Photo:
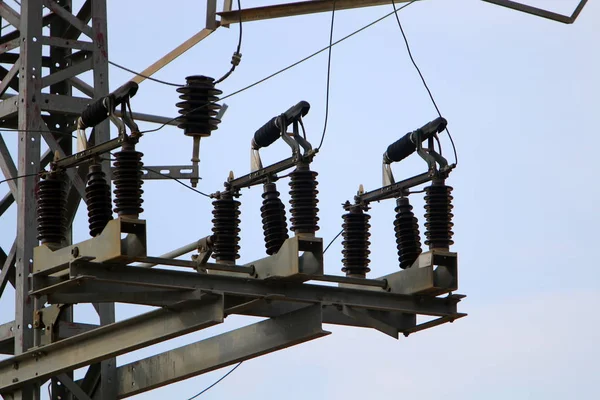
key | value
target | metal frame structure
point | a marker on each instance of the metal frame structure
(49, 45)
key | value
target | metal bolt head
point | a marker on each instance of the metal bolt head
(75, 251)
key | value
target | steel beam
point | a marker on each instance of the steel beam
(66, 73)
(7, 166)
(256, 288)
(8, 78)
(108, 341)
(220, 351)
(28, 166)
(293, 9)
(70, 18)
(7, 13)
(75, 389)
(8, 268)
(538, 12)
(172, 55)
(84, 15)
(6, 202)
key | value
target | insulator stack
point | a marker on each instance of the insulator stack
(303, 198)
(408, 239)
(127, 177)
(198, 108)
(97, 194)
(438, 213)
(356, 242)
(226, 229)
(52, 209)
(273, 219)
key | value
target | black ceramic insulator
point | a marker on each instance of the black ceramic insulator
(273, 219)
(97, 194)
(127, 177)
(405, 146)
(438, 215)
(408, 239)
(356, 242)
(266, 134)
(303, 198)
(52, 209)
(226, 229)
(270, 132)
(94, 114)
(198, 108)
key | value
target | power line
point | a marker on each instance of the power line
(237, 56)
(214, 384)
(333, 240)
(421, 75)
(144, 76)
(19, 177)
(234, 61)
(328, 77)
(288, 67)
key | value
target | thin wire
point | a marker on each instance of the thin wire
(144, 76)
(19, 177)
(328, 77)
(214, 384)
(333, 240)
(237, 55)
(177, 180)
(421, 75)
(286, 68)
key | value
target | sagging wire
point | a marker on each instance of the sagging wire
(286, 68)
(240, 363)
(328, 77)
(237, 55)
(219, 380)
(144, 76)
(19, 177)
(422, 77)
(333, 240)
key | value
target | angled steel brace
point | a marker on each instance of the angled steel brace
(70, 18)
(172, 55)
(7, 13)
(84, 15)
(10, 45)
(107, 341)
(75, 389)
(91, 380)
(293, 9)
(6, 202)
(7, 80)
(7, 166)
(66, 73)
(538, 12)
(8, 268)
(368, 320)
(220, 351)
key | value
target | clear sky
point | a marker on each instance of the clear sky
(520, 94)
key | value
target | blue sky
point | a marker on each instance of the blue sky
(520, 95)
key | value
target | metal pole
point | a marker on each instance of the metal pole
(177, 252)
